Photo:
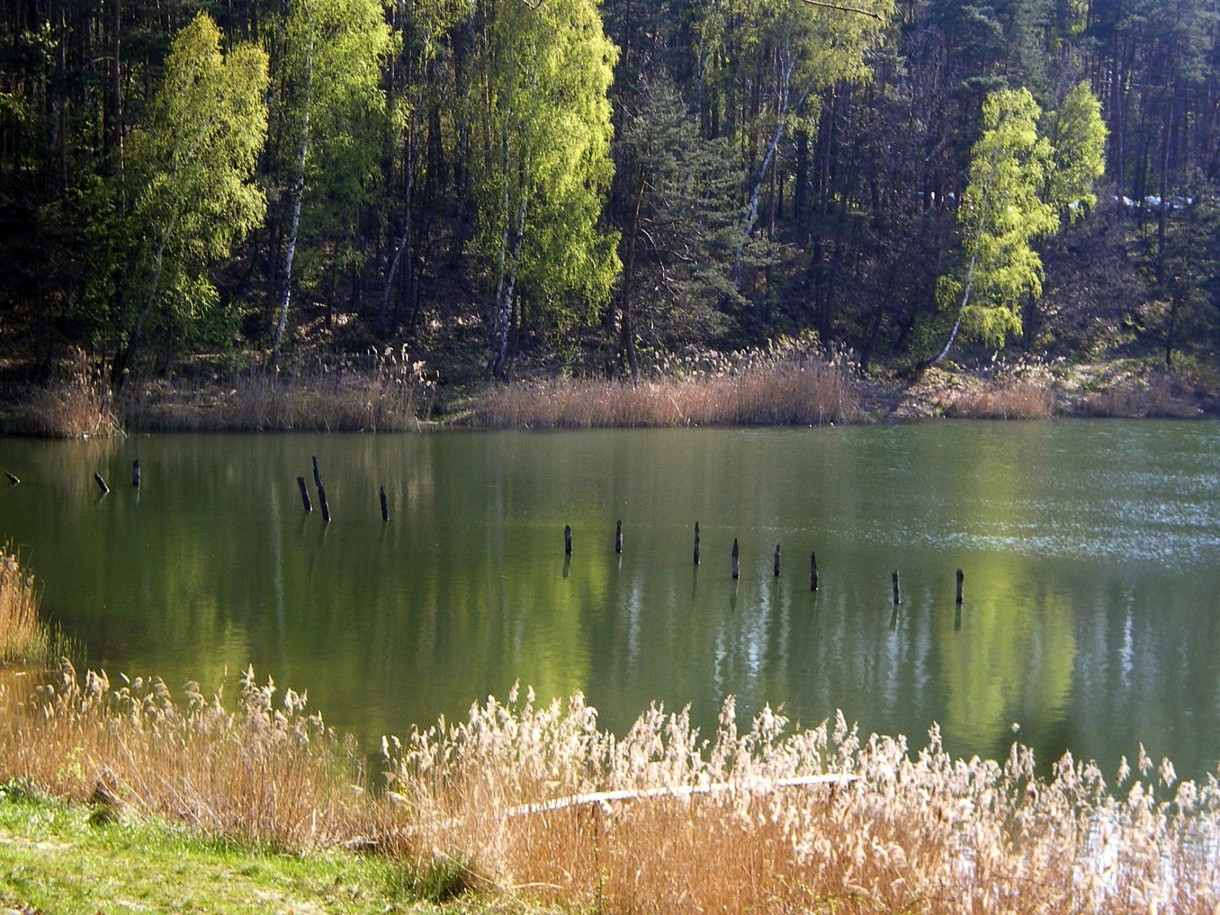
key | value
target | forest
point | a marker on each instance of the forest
(560, 186)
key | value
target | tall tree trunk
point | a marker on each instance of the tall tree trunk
(760, 178)
(294, 221)
(405, 242)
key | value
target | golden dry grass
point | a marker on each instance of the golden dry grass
(899, 830)
(1159, 394)
(1013, 399)
(912, 832)
(81, 405)
(390, 398)
(785, 385)
(21, 634)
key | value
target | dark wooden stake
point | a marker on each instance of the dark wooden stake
(777, 560)
(317, 477)
(696, 543)
(385, 506)
(736, 560)
(101, 484)
(135, 474)
(13, 481)
(322, 502)
(304, 494)
(897, 593)
(813, 571)
(567, 540)
(960, 576)
(618, 537)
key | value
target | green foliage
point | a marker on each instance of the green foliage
(1077, 137)
(1000, 215)
(1019, 182)
(543, 128)
(190, 180)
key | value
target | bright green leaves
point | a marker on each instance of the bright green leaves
(190, 171)
(331, 101)
(1077, 137)
(1019, 181)
(541, 121)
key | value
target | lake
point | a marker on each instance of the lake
(1090, 552)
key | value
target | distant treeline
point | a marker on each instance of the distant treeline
(596, 186)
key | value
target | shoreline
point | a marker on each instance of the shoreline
(801, 391)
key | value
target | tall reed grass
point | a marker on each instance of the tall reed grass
(79, 405)
(910, 831)
(732, 822)
(385, 392)
(1159, 394)
(22, 636)
(787, 384)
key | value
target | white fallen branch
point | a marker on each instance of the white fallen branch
(605, 798)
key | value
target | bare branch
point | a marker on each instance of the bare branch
(838, 7)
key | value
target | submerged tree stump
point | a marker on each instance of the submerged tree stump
(385, 505)
(135, 474)
(813, 571)
(736, 560)
(567, 540)
(618, 537)
(960, 577)
(777, 560)
(101, 483)
(696, 543)
(897, 593)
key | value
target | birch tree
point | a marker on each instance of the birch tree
(191, 170)
(329, 84)
(542, 116)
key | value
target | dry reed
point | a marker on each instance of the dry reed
(897, 830)
(388, 396)
(1019, 399)
(22, 637)
(786, 384)
(82, 405)
(912, 832)
(264, 774)
(1160, 394)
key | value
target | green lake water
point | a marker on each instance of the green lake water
(1091, 554)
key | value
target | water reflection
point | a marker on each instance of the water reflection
(1089, 551)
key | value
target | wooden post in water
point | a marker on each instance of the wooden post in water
(960, 576)
(135, 474)
(101, 484)
(618, 537)
(813, 571)
(304, 494)
(777, 560)
(317, 479)
(567, 540)
(696, 543)
(12, 480)
(736, 560)
(385, 505)
(897, 593)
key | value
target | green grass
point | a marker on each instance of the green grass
(56, 857)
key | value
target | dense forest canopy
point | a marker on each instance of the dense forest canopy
(592, 186)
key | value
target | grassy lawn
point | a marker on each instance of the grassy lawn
(53, 859)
